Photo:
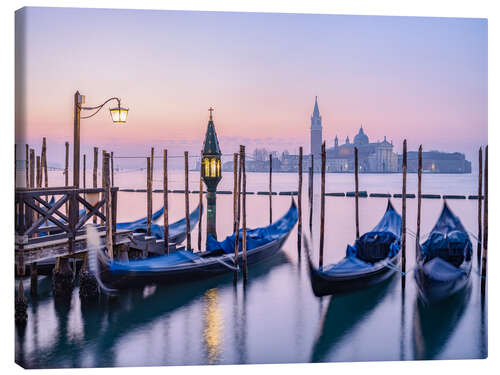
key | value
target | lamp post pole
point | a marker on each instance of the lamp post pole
(118, 115)
(211, 211)
(76, 141)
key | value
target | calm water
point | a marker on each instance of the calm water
(276, 318)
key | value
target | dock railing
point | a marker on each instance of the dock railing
(45, 229)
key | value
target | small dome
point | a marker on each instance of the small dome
(361, 138)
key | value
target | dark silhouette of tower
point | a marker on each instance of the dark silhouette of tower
(316, 130)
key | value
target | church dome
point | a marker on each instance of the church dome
(361, 138)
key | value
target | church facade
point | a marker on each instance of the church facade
(377, 157)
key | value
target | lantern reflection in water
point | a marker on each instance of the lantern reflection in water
(212, 331)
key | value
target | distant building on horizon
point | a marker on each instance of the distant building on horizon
(374, 157)
(316, 131)
(377, 157)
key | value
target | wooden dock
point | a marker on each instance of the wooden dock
(45, 230)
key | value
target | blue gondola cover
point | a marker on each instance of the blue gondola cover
(256, 237)
(448, 240)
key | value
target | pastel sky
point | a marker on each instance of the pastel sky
(420, 78)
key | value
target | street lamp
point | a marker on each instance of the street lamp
(118, 116)
(211, 172)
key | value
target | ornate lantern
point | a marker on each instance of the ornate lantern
(211, 172)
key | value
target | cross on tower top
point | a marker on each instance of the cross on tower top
(210, 110)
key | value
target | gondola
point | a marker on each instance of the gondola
(444, 260)
(374, 257)
(177, 234)
(183, 265)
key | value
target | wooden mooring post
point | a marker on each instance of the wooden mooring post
(237, 202)
(322, 213)
(152, 162)
(235, 190)
(27, 156)
(103, 209)
(479, 206)
(165, 201)
(186, 199)
(84, 171)
(44, 162)
(299, 203)
(112, 170)
(107, 192)
(66, 171)
(201, 207)
(32, 169)
(38, 172)
(270, 188)
(33, 265)
(403, 218)
(149, 197)
(356, 190)
(66, 163)
(244, 215)
(419, 203)
(311, 193)
(94, 176)
(484, 262)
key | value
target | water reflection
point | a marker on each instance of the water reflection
(276, 318)
(344, 313)
(213, 326)
(88, 335)
(433, 324)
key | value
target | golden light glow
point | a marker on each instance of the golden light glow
(119, 115)
(211, 167)
(212, 332)
(206, 163)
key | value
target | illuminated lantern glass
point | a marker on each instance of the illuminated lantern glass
(119, 115)
(207, 167)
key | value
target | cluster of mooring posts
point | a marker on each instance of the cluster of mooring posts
(45, 231)
(482, 236)
(50, 227)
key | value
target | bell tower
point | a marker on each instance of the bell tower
(316, 130)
